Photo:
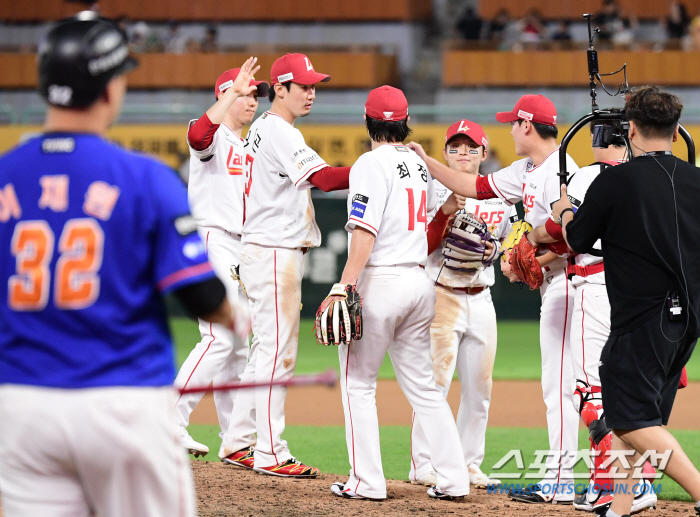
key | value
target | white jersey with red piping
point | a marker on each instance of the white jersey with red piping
(215, 186)
(277, 166)
(392, 196)
(536, 185)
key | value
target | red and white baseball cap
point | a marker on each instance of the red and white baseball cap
(386, 103)
(535, 108)
(296, 68)
(469, 128)
(225, 81)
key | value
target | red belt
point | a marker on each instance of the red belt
(468, 290)
(584, 271)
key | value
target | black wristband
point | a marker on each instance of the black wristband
(202, 298)
(561, 215)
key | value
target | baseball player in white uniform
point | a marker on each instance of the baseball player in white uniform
(215, 192)
(279, 227)
(463, 334)
(534, 181)
(590, 328)
(391, 199)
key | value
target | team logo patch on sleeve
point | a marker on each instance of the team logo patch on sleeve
(574, 201)
(193, 248)
(514, 218)
(306, 158)
(359, 206)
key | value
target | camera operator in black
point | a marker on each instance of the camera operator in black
(646, 214)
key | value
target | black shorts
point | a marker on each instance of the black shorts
(640, 371)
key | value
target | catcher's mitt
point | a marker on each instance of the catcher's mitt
(524, 264)
(516, 232)
(341, 321)
(464, 249)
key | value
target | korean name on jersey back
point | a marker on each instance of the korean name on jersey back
(94, 238)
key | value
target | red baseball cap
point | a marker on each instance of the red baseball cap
(469, 128)
(386, 103)
(296, 68)
(535, 108)
(225, 81)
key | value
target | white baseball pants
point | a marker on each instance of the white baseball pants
(463, 335)
(101, 451)
(221, 356)
(558, 380)
(398, 307)
(272, 278)
(590, 328)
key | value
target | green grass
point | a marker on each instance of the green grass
(518, 356)
(324, 447)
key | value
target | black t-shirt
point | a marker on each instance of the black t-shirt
(630, 207)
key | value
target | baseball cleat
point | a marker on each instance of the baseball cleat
(602, 501)
(242, 458)
(434, 493)
(479, 479)
(533, 494)
(642, 501)
(647, 499)
(340, 490)
(427, 479)
(292, 468)
(195, 448)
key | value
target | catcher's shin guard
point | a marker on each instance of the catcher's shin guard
(588, 402)
(601, 484)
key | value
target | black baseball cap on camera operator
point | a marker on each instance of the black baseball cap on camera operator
(78, 57)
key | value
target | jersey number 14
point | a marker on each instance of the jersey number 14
(422, 215)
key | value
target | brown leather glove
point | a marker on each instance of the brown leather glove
(524, 264)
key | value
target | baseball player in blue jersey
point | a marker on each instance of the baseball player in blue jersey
(93, 236)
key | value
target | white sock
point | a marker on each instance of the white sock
(612, 514)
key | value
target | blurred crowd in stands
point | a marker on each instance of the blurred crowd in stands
(143, 38)
(618, 29)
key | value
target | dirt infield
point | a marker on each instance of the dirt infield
(228, 491)
(513, 404)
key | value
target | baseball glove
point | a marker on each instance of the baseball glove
(464, 248)
(524, 264)
(516, 232)
(341, 321)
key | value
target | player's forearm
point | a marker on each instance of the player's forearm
(565, 220)
(218, 110)
(360, 250)
(540, 235)
(331, 178)
(462, 184)
(436, 230)
(547, 258)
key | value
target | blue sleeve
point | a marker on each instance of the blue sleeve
(180, 255)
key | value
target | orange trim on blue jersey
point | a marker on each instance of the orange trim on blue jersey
(184, 274)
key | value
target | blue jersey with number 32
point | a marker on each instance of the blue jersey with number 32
(92, 237)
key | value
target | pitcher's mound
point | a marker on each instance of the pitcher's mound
(224, 490)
